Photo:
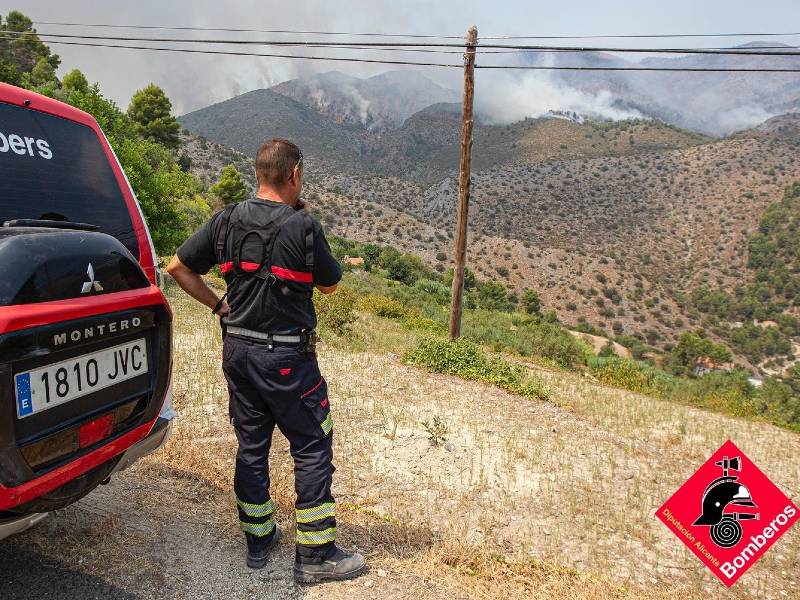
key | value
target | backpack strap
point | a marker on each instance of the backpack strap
(268, 235)
(221, 244)
(309, 231)
(222, 241)
(284, 288)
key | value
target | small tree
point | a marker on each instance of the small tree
(692, 346)
(75, 81)
(151, 110)
(469, 278)
(230, 188)
(531, 302)
(42, 73)
(20, 54)
(492, 295)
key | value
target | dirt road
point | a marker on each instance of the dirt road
(151, 534)
(137, 538)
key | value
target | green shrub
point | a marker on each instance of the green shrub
(728, 393)
(336, 311)
(692, 346)
(439, 291)
(465, 359)
(525, 335)
(389, 308)
(383, 306)
(631, 375)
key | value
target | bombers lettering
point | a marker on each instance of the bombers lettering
(25, 145)
(757, 542)
(76, 335)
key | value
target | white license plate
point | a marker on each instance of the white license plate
(55, 384)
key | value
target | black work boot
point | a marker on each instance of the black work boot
(340, 565)
(256, 559)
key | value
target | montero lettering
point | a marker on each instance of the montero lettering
(76, 335)
(757, 542)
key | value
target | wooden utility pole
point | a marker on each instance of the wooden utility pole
(463, 184)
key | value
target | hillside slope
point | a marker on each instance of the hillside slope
(615, 224)
(380, 102)
(613, 241)
(245, 121)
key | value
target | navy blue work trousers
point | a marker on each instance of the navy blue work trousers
(281, 386)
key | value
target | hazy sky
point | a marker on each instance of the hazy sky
(194, 80)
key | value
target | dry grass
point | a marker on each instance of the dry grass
(519, 489)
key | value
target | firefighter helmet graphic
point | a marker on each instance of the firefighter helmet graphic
(721, 493)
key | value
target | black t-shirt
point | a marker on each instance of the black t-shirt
(252, 307)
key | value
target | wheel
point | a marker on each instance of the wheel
(726, 533)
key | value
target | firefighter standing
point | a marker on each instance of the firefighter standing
(272, 253)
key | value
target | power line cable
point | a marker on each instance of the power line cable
(244, 42)
(424, 64)
(244, 30)
(368, 45)
(667, 69)
(635, 36)
(355, 45)
(715, 51)
(422, 36)
(257, 54)
(55, 39)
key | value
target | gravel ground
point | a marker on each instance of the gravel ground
(119, 543)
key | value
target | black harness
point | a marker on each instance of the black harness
(241, 242)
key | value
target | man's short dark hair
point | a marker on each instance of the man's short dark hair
(275, 161)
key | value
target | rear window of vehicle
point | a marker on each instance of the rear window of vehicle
(53, 168)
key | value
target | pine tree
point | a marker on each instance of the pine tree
(75, 81)
(230, 188)
(531, 302)
(151, 110)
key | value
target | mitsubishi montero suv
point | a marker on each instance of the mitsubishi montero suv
(85, 332)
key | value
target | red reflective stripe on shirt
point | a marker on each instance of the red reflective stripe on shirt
(301, 276)
(246, 266)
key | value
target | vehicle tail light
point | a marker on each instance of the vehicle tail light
(92, 432)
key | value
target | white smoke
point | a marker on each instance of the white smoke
(742, 117)
(502, 98)
(319, 97)
(361, 103)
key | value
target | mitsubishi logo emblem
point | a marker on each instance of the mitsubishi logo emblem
(92, 284)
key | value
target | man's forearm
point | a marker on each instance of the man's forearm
(326, 289)
(192, 283)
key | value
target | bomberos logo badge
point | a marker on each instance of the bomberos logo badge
(729, 513)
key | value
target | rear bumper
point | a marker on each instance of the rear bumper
(153, 442)
(136, 443)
